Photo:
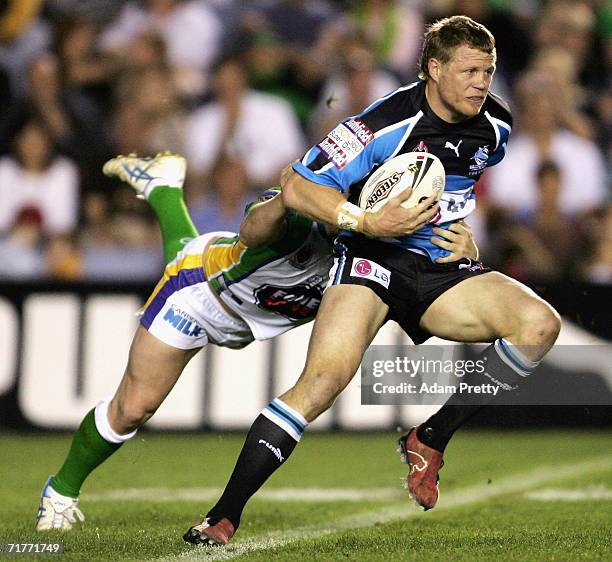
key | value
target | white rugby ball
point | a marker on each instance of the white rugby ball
(421, 171)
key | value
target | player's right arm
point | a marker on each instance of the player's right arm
(325, 204)
(318, 184)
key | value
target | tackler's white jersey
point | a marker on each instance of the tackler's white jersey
(276, 287)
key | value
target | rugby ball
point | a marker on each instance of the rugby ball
(421, 171)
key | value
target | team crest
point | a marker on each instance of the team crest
(480, 159)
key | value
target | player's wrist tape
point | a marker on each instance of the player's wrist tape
(349, 216)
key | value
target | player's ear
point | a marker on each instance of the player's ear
(433, 67)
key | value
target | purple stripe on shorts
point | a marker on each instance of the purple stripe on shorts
(185, 278)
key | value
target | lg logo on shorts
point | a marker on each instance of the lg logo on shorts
(369, 269)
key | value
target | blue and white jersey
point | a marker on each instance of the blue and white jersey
(403, 122)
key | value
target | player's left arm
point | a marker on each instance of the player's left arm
(458, 240)
(265, 220)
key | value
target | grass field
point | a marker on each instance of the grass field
(541, 495)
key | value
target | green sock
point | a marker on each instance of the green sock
(88, 450)
(174, 221)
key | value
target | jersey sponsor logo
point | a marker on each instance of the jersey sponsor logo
(276, 450)
(299, 302)
(345, 142)
(480, 158)
(333, 152)
(453, 147)
(382, 189)
(183, 322)
(361, 130)
(421, 147)
(369, 269)
(363, 267)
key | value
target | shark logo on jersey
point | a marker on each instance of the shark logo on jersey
(480, 159)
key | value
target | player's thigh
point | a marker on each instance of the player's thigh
(480, 309)
(152, 371)
(348, 319)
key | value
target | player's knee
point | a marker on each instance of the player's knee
(540, 324)
(130, 415)
(316, 391)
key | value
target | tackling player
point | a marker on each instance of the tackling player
(219, 288)
(450, 113)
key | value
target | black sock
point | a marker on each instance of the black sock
(505, 368)
(270, 441)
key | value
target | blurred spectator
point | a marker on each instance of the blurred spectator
(96, 228)
(540, 137)
(189, 28)
(570, 25)
(24, 36)
(393, 29)
(546, 240)
(150, 93)
(257, 128)
(36, 177)
(349, 92)
(130, 130)
(118, 230)
(286, 41)
(20, 248)
(599, 265)
(560, 67)
(272, 68)
(148, 49)
(223, 208)
(73, 121)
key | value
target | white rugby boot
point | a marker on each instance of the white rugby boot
(56, 511)
(145, 174)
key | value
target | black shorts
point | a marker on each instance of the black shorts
(407, 282)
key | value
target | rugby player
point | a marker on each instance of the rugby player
(219, 288)
(450, 113)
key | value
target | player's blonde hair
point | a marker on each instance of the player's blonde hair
(444, 36)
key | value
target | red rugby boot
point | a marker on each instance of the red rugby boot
(424, 463)
(204, 533)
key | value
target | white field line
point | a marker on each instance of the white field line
(601, 493)
(509, 485)
(274, 494)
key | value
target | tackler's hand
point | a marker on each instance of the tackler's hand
(458, 240)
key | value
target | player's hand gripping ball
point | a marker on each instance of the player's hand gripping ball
(421, 171)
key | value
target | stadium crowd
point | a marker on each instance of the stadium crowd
(242, 89)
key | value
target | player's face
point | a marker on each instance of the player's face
(462, 83)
